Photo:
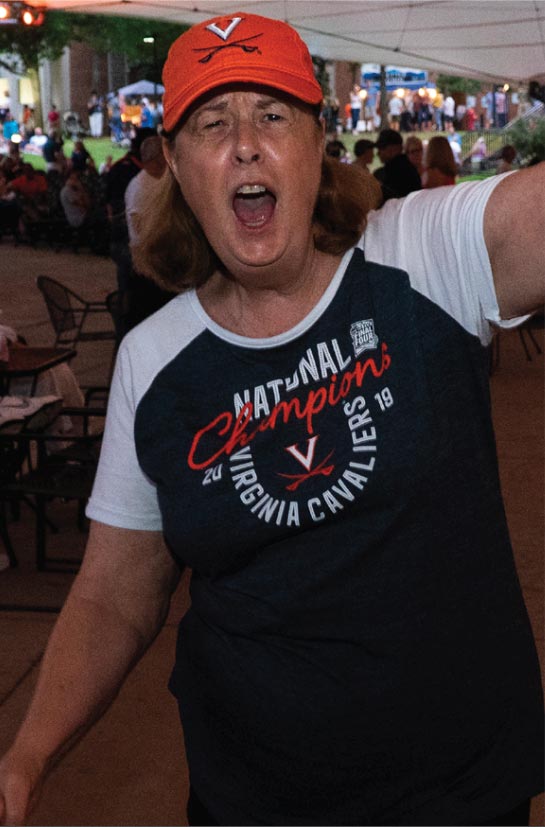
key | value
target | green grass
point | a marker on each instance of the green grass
(98, 148)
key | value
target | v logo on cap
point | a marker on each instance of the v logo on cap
(224, 33)
(236, 44)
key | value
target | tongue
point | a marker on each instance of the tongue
(254, 211)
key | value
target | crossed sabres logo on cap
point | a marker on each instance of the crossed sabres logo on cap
(224, 34)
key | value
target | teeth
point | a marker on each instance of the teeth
(251, 189)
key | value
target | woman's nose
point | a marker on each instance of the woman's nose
(247, 144)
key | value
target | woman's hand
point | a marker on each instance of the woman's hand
(115, 608)
(20, 783)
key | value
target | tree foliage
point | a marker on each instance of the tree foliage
(322, 76)
(451, 83)
(23, 48)
(528, 137)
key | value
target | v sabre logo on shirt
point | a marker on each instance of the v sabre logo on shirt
(307, 461)
(318, 428)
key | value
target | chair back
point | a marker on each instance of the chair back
(116, 302)
(59, 306)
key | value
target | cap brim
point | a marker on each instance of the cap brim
(298, 87)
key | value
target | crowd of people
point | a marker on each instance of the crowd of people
(412, 163)
(422, 110)
(67, 200)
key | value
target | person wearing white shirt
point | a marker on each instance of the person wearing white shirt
(143, 295)
(449, 108)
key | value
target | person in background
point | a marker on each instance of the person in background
(12, 163)
(440, 167)
(470, 119)
(355, 108)
(114, 116)
(395, 108)
(53, 153)
(81, 158)
(406, 121)
(10, 127)
(28, 123)
(437, 104)
(95, 114)
(449, 110)
(370, 108)
(414, 150)
(5, 105)
(84, 213)
(331, 115)
(455, 143)
(144, 296)
(425, 114)
(75, 200)
(397, 176)
(501, 108)
(38, 140)
(9, 208)
(106, 165)
(53, 119)
(364, 153)
(508, 155)
(307, 427)
(147, 120)
(336, 149)
(478, 153)
(117, 181)
(31, 190)
(487, 104)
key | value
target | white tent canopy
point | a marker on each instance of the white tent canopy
(494, 40)
(142, 87)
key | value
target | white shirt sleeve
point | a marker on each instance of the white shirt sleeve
(437, 237)
(131, 207)
(122, 495)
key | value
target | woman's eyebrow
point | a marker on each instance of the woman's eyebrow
(213, 106)
(262, 103)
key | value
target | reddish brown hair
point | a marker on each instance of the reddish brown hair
(176, 254)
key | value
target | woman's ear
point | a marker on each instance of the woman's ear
(170, 157)
(323, 130)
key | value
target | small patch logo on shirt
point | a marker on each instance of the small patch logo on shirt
(363, 336)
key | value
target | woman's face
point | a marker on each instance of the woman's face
(415, 154)
(248, 164)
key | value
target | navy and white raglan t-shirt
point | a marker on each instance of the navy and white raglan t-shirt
(357, 650)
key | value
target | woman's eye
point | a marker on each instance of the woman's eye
(273, 116)
(213, 124)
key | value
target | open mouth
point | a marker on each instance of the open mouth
(254, 205)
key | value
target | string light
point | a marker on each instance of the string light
(18, 12)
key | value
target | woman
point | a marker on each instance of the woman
(440, 168)
(414, 150)
(309, 432)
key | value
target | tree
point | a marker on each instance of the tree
(322, 76)
(23, 48)
(465, 86)
(528, 137)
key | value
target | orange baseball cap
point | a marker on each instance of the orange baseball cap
(242, 48)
